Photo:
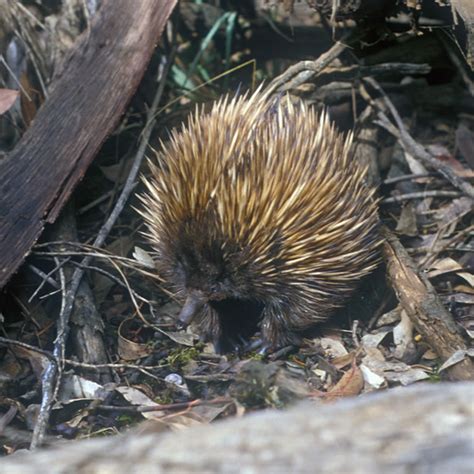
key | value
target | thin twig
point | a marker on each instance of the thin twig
(84, 365)
(5, 341)
(125, 261)
(407, 177)
(305, 70)
(420, 195)
(52, 374)
(46, 278)
(73, 363)
(355, 339)
(112, 277)
(7, 418)
(430, 258)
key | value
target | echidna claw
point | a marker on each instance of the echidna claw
(264, 351)
(253, 345)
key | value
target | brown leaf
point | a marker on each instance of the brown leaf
(128, 349)
(407, 222)
(351, 384)
(442, 154)
(343, 361)
(7, 99)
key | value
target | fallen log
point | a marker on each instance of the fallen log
(85, 104)
(421, 429)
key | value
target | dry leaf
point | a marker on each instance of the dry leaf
(351, 384)
(371, 378)
(343, 360)
(448, 265)
(407, 222)
(74, 387)
(143, 257)
(455, 358)
(444, 265)
(392, 371)
(415, 166)
(441, 153)
(130, 350)
(7, 99)
(333, 347)
(373, 340)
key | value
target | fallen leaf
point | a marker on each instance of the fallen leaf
(343, 360)
(444, 265)
(415, 166)
(127, 349)
(448, 265)
(7, 99)
(455, 358)
(333, 347)
(442, 154)
(143, 257)
(392, 371)
(192, 415)
(373, 340)
(371, 378)
(407, 222)
(455, 209)
(74, 387)
(351, 384)
(137, 398)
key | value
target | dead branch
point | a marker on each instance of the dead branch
(420, 301)
(305, 70)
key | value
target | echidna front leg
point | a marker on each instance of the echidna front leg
(275, 330)
(209, 325)
(211, 330)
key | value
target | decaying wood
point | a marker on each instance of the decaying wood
(84, 105)
(419, 299)
(87, 326)
(427, 428)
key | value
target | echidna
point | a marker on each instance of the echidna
(259, 219)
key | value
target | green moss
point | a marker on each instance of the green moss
(181, 356)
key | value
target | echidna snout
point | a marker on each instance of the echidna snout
(192, 305)
(260, 219)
